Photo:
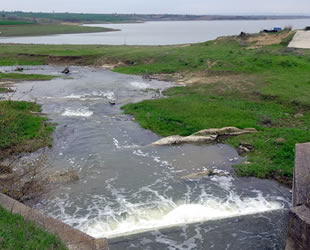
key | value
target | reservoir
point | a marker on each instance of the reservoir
(161, 33)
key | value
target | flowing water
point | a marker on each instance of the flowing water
(128, 186)
(162, 33)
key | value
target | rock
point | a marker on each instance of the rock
(176, 139)
(244, 148)
(298, 115)
(66, 70)
(64, 177)
(226, 131)
(5, 169)
(267, 122)
(19, 69)
(205, 173)
(279, 140)
(112, 102)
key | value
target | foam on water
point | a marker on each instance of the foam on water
(83, 112)
(168, 215)
(140, 85)
(73, 96)
(94, 95)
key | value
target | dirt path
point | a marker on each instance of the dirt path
(301, 40)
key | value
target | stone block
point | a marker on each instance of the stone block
(301, 174)
(6, 202)
(299, 229)
(21, 209)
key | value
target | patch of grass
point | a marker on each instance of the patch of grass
(21, 130)
(5, 90)
(193, 108)
(9, 22)
(16, 233)
(26, 77)
(45, 29)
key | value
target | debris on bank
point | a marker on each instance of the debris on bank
(204, 136)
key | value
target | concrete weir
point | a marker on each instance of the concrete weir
(298, 237)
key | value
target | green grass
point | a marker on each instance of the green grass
(5, 90)
(8, 22)
(45, 29)
(21, 130)
(26, 77)
(16, 233)
(193, 108)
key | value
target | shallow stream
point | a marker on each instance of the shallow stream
(127, 186)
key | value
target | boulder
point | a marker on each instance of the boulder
(206, 173)
(112, 102)
(66, 70)
(19, 69)
(63, 177)
(244, 148)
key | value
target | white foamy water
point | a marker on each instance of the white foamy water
(72, 96)
(140, 85)
(83, 112)
(168, 215)
(92, 96)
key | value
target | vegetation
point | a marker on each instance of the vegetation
(16, 233)
(8, 22)
(21, 129)
(252, 81)
(29, 77)
(5, 90)
(45, 29)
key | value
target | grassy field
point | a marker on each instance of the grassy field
(23, 29)
(250, 81)
(21, 130)
(16, 233)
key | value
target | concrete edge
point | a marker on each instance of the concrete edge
(71, 237)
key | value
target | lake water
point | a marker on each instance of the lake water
(128, 186)
(161, 33)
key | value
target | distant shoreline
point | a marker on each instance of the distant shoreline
(44, 17)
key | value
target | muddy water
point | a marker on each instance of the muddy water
(128, 186)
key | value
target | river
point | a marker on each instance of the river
(161, 33)
(128, 186)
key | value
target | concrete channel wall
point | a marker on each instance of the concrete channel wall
(298, 237)
(74, 239)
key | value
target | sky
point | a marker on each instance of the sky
(161, 6)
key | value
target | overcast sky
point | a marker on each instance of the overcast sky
(161, 6)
